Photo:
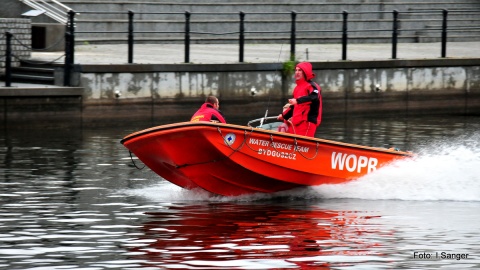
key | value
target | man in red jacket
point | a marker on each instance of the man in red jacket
(209, 111)
(305, 112)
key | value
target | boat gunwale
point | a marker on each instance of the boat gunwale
(281, 134)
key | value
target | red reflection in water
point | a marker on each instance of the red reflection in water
(205, 236)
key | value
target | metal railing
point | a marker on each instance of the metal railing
(8, 59)
(52, 8)
(12, 41)
(344, 33)
(291, 34)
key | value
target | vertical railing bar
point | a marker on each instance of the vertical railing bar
(241, 37)
(69, 48)
(444, 33)
(71, 26)
(395, 34)
(187, 37)
(293, 35)
(8, 60)
(130, 36)
(344, 35)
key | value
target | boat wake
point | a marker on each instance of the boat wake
(439, 172)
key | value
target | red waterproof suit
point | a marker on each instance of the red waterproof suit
(307, 114)
(208, 113)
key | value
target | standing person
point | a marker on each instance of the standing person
(209, 111)
(305, 111)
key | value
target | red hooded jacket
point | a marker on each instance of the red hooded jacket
(309, 99)
(208, 113)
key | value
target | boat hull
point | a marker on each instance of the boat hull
(232, 160)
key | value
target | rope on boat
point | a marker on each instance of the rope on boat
(258, 151)
(312, 158)
(198, 163)
(295, 147)
(215, 160)
(245, 142)
(241, 145)
(273, 144)
(293, 127)
(133, 162)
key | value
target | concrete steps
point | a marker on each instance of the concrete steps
(33, 73)
(263, 18)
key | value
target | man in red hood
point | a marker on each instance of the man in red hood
(305, 112)
(209, 111)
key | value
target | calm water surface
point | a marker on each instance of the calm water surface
(71, 199)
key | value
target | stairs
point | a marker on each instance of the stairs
(33, 72)
(263, 19)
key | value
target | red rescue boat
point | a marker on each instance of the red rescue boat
(232, 160)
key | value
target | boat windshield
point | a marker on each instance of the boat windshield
(269, 123)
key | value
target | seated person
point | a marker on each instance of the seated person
(209, 111)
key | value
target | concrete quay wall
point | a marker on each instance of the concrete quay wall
(144, 95)
(389, 87)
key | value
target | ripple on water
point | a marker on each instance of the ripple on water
(72, 201)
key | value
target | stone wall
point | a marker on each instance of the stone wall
(398, 87)
(21, 41)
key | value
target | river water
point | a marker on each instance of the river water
(71, 199)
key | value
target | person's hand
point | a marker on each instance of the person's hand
(292, 101)
(280, 117)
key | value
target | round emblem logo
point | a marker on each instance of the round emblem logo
(230, 138)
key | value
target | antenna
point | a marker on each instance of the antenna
(268, 104)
